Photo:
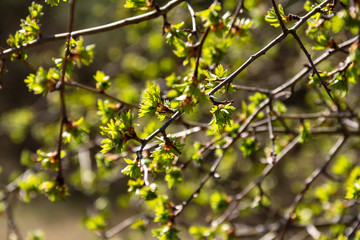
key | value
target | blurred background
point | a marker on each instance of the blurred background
(132, 56)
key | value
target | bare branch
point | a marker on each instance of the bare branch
(61, 88)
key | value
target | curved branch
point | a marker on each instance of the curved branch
(94, 30)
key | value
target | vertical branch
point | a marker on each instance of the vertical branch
(199, 52)
(334, 150)
(311, 62)
(61, 88)
(2, 70)
(282, 25)
(147, 140)
(271, 133)
(193, 17)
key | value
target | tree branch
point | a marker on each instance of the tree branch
(94, 30)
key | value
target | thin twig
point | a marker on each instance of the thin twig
(238, 10)
(271, 134)
(11, 221)
(180, 207)
(122, 226)
(354, 227)
(309, 181)
(251, 89)
(306, 70)
(147, 140)
(61, 88)
(2, 71)
(311, 62)
(95, 90)
(199, 52)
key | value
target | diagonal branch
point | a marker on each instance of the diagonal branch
(95, 90)
(311, 62)
(309, 181)
(180, 208)
(238, 10)
(278, 39)
(267, 170)
(276, 9)
(306, 70)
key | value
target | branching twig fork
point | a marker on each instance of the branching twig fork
(94, 30)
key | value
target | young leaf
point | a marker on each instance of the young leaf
(221, 116)
(102, 81)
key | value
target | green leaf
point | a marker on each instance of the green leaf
(97, 222)
(148, 193)
(162, 214)
(54, 2)
(164, 155)
(218, 202)
(342, 166)
(221, 116)
(173, 176)
(132, 169)
(139, 4)
(166, 233)
(118, 131)
(304, 131)
(272, 18)
(249, 146)
(201, 232)
(152, 103)
(102, 81)
(353, 192)
(54, 191)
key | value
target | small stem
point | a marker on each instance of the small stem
(271, 133)
(238, 9)
(147, 140)
(61, 88)
(282, 25)
(198, 53)
(193, 17)
(311, 62)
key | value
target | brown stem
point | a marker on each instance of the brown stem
(61, 87)
(311, 62)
